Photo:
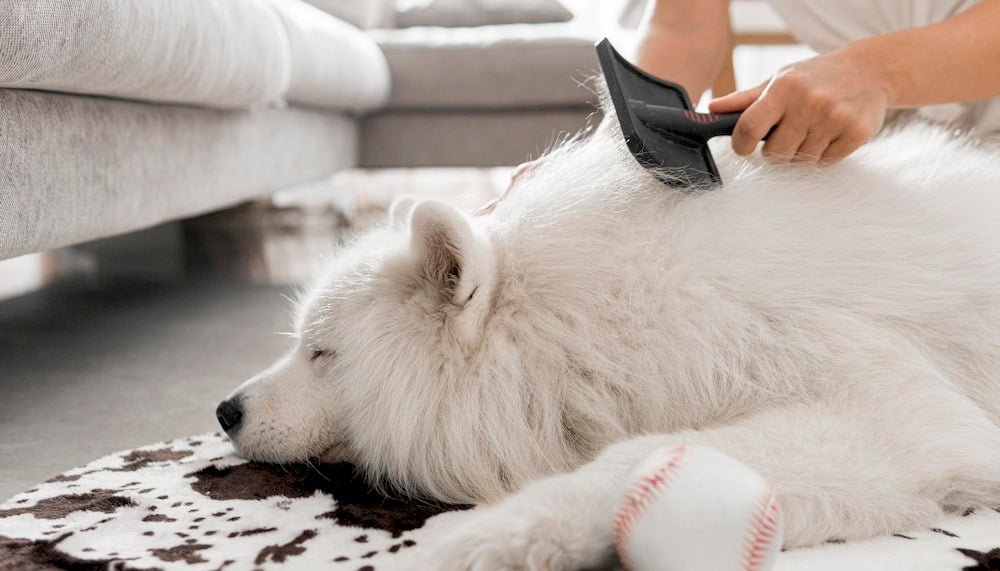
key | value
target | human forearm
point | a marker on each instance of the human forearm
(684, 41)
(954, 60)
(823, 108)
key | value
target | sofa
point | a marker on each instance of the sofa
(120, 114)
(117, 115)
(484, 96)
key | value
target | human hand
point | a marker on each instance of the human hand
(824, 109)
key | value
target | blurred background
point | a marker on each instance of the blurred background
(172, 170)
(473, 88)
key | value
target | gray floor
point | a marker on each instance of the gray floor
(86, 370)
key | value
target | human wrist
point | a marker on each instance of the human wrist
(881, 68)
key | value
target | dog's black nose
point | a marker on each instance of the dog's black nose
(230, 413)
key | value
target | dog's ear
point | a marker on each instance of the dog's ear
(400, 209)
(452, 252)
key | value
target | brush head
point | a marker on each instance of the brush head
(675, 159)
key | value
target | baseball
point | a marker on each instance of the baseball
(691, 508)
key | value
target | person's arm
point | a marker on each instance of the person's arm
(954, 60)
(828, 106)
(684, 41)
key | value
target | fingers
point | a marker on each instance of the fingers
(763, 114)
(800, 124)
(843, 146)
(737, 100)
(834, 121)
(756, 121)
(784, 142)
(821, 109)
(812, 148)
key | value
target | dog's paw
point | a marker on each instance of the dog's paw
(533, 530)
(493, 539)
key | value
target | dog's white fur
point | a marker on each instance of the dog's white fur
(836, 328)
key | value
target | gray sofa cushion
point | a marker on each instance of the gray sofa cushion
(466, 137)
(221, 54)
(526, 65)
(76, 168)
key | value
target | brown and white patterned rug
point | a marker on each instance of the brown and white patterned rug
(192, 504)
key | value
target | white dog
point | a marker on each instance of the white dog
(836, 328)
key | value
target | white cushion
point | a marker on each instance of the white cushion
(217, 52)
(333, 64)
(464, 13)
(362, 13)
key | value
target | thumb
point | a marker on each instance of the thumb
(737, 100)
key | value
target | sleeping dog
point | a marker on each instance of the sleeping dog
(836, 328)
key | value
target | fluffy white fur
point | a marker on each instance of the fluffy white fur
(836, 328)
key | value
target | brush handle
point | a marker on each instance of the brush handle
(690, 124)
(708, 125)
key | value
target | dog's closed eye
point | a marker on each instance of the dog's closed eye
(317, 353)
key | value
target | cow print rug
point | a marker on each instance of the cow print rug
(192, 504)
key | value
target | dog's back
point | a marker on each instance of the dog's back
(714, 301)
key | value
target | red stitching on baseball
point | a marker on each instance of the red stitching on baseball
(641, 494)
(763, 527)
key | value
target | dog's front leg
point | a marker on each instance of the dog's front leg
(562, 522)
(838, 473)
(558, 523)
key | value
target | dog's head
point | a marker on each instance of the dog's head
(386, 346)
(438, 354)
